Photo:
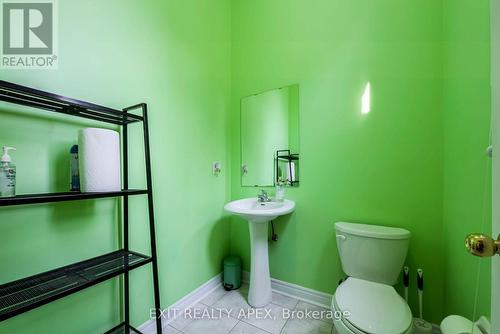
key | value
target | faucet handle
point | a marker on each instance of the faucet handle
(263, 197)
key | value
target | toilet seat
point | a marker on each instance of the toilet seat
(455, 324)
(374, 308)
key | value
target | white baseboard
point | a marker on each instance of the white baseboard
(296, 291)
(195, 296)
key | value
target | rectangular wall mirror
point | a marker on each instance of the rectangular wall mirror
(270, 138)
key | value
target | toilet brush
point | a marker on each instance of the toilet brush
(420, 288)
(421, 326)
(406, 281)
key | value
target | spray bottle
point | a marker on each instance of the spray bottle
(7, 174)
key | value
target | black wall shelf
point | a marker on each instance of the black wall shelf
(25, 294)
(65, 196)
(291, 157)
(17, 94)
(31, 292)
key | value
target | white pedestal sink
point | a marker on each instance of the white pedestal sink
(258, 215)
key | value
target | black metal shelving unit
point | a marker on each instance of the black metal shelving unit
(31, 292)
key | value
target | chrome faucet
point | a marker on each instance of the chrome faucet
(263, 196)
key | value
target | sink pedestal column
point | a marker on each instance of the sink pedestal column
(259, 294)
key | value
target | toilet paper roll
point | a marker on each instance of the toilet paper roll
(99, 160)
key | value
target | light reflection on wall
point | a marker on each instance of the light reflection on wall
(366, 99)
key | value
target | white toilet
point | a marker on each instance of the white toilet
(373, 257)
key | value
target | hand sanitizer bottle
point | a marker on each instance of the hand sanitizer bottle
(7, 174)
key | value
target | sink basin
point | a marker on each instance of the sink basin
(258, 214)
(253, 210)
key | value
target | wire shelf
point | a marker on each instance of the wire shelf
(65, 196)
(123, 329)
(13, 93)
(25, 294)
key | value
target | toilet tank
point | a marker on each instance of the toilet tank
(370, 252)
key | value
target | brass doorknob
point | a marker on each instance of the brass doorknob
(482, 245)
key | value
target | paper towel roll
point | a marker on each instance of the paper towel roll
(99, 160)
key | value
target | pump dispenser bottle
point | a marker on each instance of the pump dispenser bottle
(7, 174)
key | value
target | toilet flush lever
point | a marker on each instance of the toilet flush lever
(489, 151)
(341, 237)
(482, 245)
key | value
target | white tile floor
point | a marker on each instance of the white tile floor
(225, 312)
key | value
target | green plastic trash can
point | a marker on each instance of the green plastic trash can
(232, 273)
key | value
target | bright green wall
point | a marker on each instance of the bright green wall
(467, 170)
(382, 168)
(174, 55)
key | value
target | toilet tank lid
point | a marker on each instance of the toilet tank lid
(372, 231)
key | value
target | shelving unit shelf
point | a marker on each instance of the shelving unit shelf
(65, 196)
(28, 293)
(31, 292)
(291, 157)
(30, 97)
(123, 329)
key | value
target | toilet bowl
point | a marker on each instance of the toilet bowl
(372, 256)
